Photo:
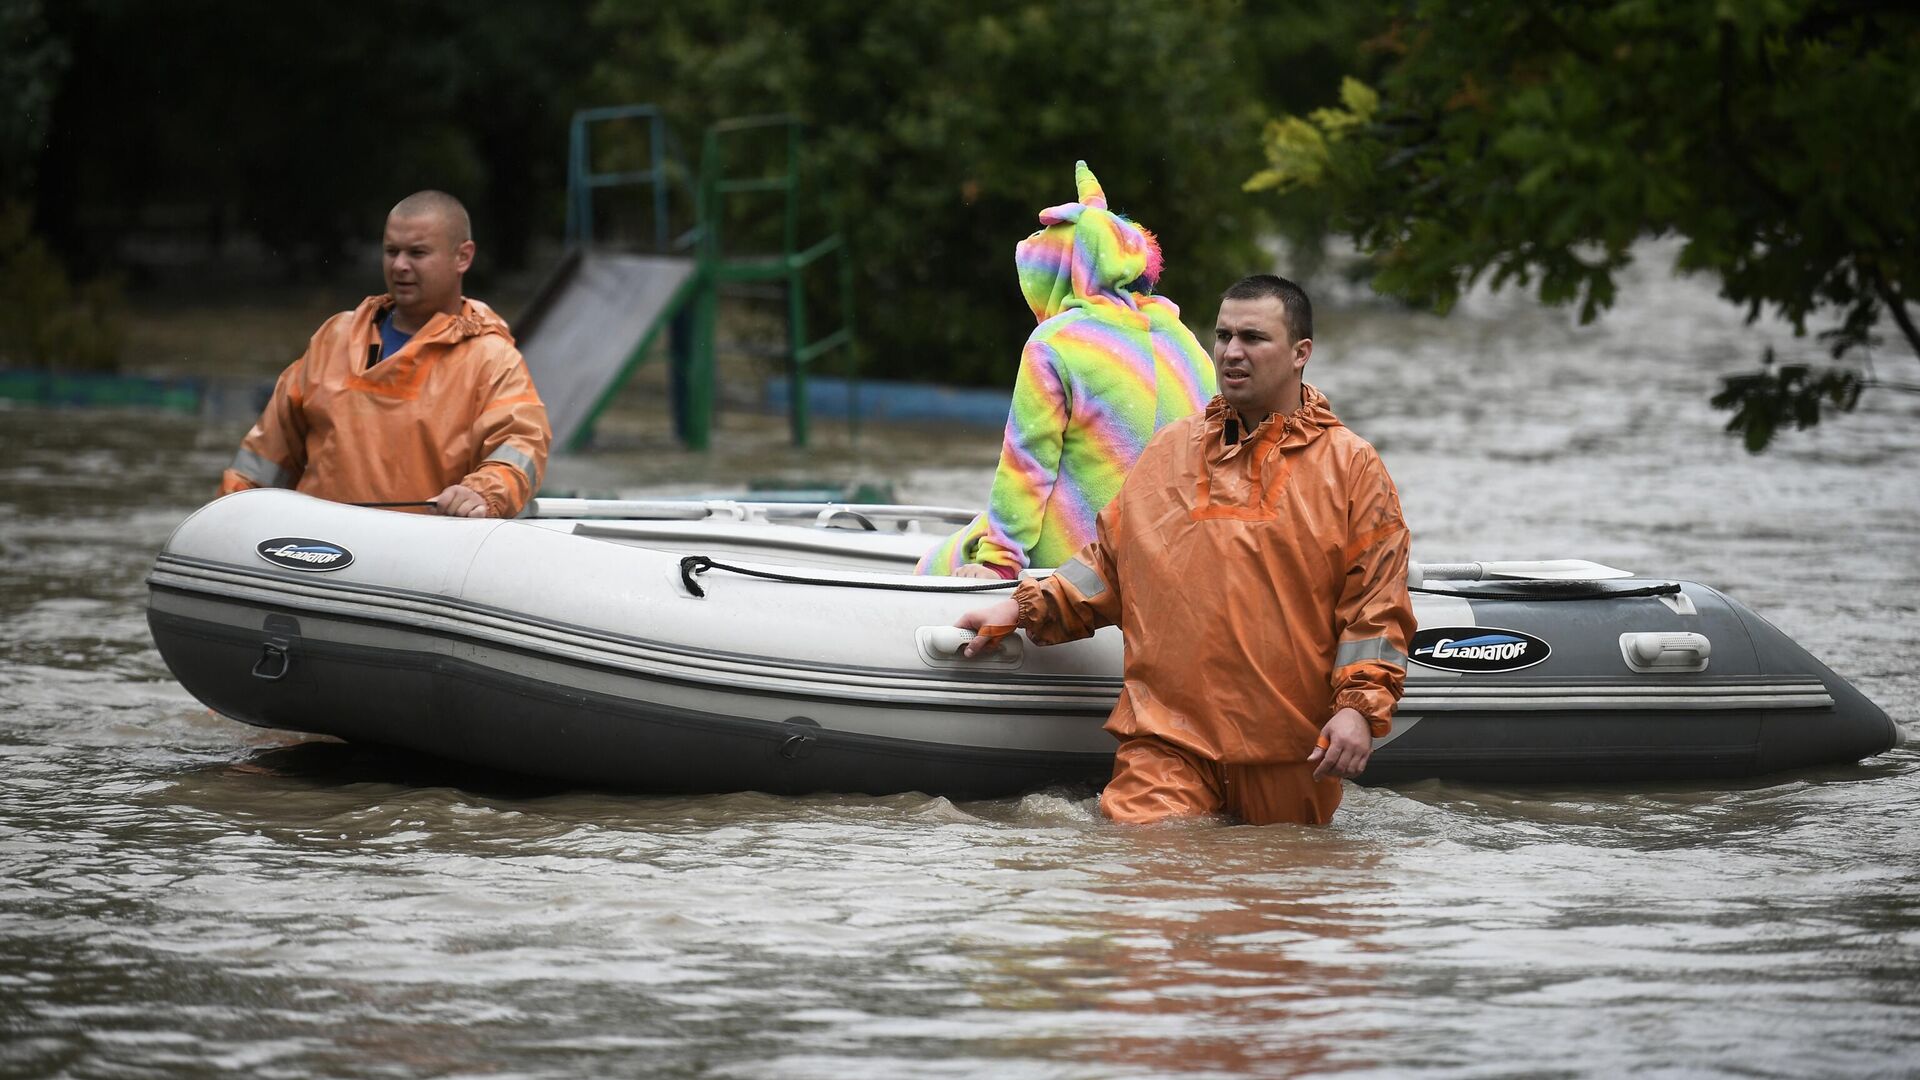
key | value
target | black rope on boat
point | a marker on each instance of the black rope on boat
(1667, 589)
(700, 564)
(854, 514)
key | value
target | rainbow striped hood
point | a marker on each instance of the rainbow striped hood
(1087, 256)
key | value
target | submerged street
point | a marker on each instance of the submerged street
(181, 895)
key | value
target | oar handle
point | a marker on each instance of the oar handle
(393, 505)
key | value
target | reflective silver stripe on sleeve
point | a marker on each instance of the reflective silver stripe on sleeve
(260, 470)
(1082, 577)
(508, 455)
(1352, 652)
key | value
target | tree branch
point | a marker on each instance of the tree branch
(1896, 305)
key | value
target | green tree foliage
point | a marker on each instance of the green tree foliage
(156, 134)
(201, 121)
(31, 63)
(1535, 142)
(939, 129)
(46, 321)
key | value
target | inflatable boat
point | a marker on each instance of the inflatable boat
(724, 646)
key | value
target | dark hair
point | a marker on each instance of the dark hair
(1292, 297)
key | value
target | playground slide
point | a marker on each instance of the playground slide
(585, 324)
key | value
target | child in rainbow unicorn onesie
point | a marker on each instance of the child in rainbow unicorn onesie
(1109, 365)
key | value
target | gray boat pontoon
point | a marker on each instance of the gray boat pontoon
(722, 646)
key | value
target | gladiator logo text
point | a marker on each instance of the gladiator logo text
(1476, 649)
(304, 553)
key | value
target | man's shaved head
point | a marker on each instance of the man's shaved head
(440, 205)
(427, 249)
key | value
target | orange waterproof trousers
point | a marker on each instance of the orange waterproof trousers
(1154, 780)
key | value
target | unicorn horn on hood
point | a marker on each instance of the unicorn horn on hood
(1087, 254)
(1088, 186)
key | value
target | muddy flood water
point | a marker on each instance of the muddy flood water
(181, 895)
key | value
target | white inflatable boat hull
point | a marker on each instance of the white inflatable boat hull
(578, 649)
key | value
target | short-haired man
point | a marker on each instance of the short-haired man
(1256, 560)
(413, 396)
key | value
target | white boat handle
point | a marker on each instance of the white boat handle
(1661, 652)
(941, 646)
(947, 641)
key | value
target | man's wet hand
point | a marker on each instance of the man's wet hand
(1345, 745)
(461, 501)
(999, 613)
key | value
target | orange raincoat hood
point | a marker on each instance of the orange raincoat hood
(1311, 420)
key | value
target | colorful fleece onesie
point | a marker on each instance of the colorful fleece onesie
(1108, 366)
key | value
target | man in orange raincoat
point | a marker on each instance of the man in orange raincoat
(413, 396)
(1256, 560)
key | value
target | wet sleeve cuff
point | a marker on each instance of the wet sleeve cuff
(1028, 596)
(1375, 705)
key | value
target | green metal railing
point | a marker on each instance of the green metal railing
(583, 181)
(664, 167)
(789, 266)
(693, 312)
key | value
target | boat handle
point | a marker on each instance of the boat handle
(942, 645)
(274, 661)
(1654, 652)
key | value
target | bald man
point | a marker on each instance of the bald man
(415, 396)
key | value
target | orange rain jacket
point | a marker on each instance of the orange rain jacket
(1262, 586)
(454, 406)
